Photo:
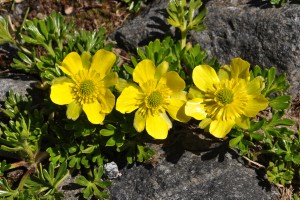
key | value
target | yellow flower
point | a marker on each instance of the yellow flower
(87, 88)
(157, 92)
(226, 99)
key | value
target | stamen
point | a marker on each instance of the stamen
(224, 96)
(154, 100)
(87, 87)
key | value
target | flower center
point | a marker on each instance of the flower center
(154, 99)
(87, 87)
(224, 96)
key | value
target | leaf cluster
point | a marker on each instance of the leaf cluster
(134, 5)
(180, 60)
(270, 140)
(43, 43)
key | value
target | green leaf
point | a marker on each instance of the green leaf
(5, 36)
(257, 136)
(233, 142)
(280, 102)
(271, 75)
(111, 142)
(254, 126)
(106, 132)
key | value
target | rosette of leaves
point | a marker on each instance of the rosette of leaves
(186, 17)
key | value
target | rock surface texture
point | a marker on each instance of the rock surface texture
(192, 177)
(262, 35)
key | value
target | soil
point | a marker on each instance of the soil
(87, 14)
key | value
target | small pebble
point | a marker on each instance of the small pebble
(111, 170)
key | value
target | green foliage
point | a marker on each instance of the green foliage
(44, 43)
(134, 5)
(279, 174)
(278, 2)
(270, 139)
(185, 17)
(4, 167)
(94, 185)
(45, 183)
(180, 60)
(5, 36)
(42, 186)
(7, 192)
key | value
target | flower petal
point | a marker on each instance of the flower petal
(86, 59)
(73, 110)
(71, 64)
(110, 79)
(224, 72)
(256, 85)
(144, 71)
(240, 69)
(220, 128)
(243, 122)
(129, 100)
(107, 101)
(255, 104)
(139, 121)
(195, 109)
(158, 125)
(176, 110)
(204, 124)
(161, 69)
(61, 91)
(102, 62)
(194, 92)
(173, 81)
(93, 112)
(204, 77)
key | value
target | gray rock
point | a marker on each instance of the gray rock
(18, 84)
(191, 177)
(262, 35)
(151, 24)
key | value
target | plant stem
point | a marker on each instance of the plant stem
(183, 38)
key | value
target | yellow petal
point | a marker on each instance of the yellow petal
(256, 85)
(176, 110)
(86, 59)
(195, 109)
(243, 122)
(61, 91)
(102, 62)
(121, 84)
(173, 81)
(194, 92)
(93, 112)
(143, 72)
(139, 121)
(158, 125)
(205, 123)
(161, 69)
(204, 77)
(224, 72)
(220, 128)
(255, 104)
(107, 101)
(240, 69)
(71, 64)
(110, 79)
(129, 100)
(73, 110)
